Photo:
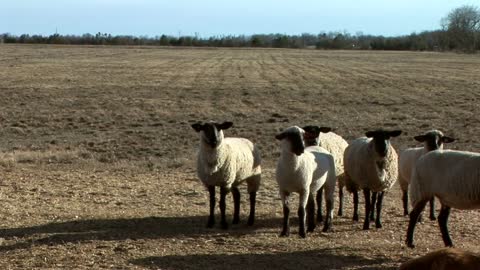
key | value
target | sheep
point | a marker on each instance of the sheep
(371, 164)
(304, 170)
(444, 259)
(227, 162)
(433, 140)
(336, 145)
(451, 176)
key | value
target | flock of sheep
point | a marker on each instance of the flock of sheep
(314, 160)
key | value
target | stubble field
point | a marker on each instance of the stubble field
(97, 156)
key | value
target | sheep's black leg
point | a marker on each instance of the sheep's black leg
(251, 217)
(311, 213)
(211, 218)
(223, 206)
(301, 221)
(414, 215)
(286, 213)
(340, 201)
(372, 206)
(432, 209)
(327, 226)
(319, 205)
(442, 222)
(355, 206)
(366, 223)
(405, 202)
(378, 221)
(305, 196)
(236, 205)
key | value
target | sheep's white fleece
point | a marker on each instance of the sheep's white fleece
(235, 160)
(336, 146)
(361, 170)
(452, 176)
(406, 162)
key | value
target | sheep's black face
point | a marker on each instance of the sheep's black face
(312, 133)
(212, 133)
(295, 139)
(381, 140)
(433, 140)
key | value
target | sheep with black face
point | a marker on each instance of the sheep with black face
(304, 170)
(371, 164)
(432, 140)
(451, 176)
(226, 163)
(335, 145)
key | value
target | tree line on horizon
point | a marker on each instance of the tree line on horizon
(460, 31)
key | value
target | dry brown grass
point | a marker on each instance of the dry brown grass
(97, 154)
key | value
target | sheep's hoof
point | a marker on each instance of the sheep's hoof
(327, 229)
(355, 217)
(311, 229)
(319, 218)
(285, 234)
(302, 234)
(410, 245)
(236, 220)
(433, 218)
(378, 225)
(251, 220)
(210, 223)
(366, 226)
(340, 213)
(224, 225)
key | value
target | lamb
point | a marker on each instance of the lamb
(227, 162)
(336, 145)
(433, 140)
(304, 170)
(444, 259)
(371, 164)
(451, 176)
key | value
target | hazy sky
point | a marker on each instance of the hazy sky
(216, 17)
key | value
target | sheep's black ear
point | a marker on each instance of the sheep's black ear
(325, 129)
(198, 127)
(420, 138)
(280, 136)
(370, 134)
(394, 133)
(446, 139)
(225, 125)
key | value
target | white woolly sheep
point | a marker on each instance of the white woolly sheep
(335, 145)
(451, 176)
(227, 162)
(371, 164)
(433, 140)
(444, 259)
(304, 170)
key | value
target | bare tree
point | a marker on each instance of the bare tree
(462, 26)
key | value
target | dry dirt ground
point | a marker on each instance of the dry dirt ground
(97, 156)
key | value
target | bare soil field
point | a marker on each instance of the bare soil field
(97, 156)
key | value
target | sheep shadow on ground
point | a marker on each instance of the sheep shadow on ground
(311, 259)
(58, 233)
